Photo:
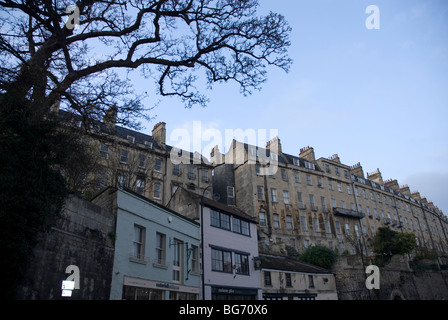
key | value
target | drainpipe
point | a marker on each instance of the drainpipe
(362, 236)
(202, 242)
(268, 215)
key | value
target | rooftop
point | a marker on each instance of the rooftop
(277, 262)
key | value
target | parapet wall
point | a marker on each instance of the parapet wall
(83, 236)
(397, 281)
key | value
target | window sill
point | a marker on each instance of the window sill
(139, 261)
(159, 265)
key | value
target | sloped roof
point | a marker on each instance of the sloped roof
(228, 209)
(283, 263)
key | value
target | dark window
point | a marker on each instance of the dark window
(220, 220)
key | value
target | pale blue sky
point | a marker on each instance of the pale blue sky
(378, 97)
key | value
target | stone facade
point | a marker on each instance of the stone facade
(144, 163)
(397, 281)
(83, 237)
(309, 201)
(283, 278)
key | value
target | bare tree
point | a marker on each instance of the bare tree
(81, 56)
(128, 167)
(50, 52)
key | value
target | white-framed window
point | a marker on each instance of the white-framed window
(327, 226)
(176, 169)
(316, 225)
(286, 196)
(284, 175)
(140, 185)
(323, 204)
(303, 223)
(138, 242)
(122, 181)
(299, 197)
(191, 174)
(124, 155)
(338, 227)
(204, 175)
(308, 180)
(288, 222)
(160, 248)
(262, 218)
(276, 220)
(177, 261)
(131, 139)
(312, 203)
(195, 259)
(273, 195)
(141, 161)
(230, 192)
(260, 193)
(309, 165)
(158, 165)
(157, 192)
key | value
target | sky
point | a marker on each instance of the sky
(374, 96)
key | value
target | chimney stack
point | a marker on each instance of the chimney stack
(307, 153)
(416, 195)
(375, 176)
(405, 190)
(274, 145)
(393, 184)
(216, 156)
(335, 158)
(110, 118)
(357, 170)
(159, 133)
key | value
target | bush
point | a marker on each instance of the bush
(388, 242)
(319, 256)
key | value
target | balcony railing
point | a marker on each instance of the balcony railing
(347, 213)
